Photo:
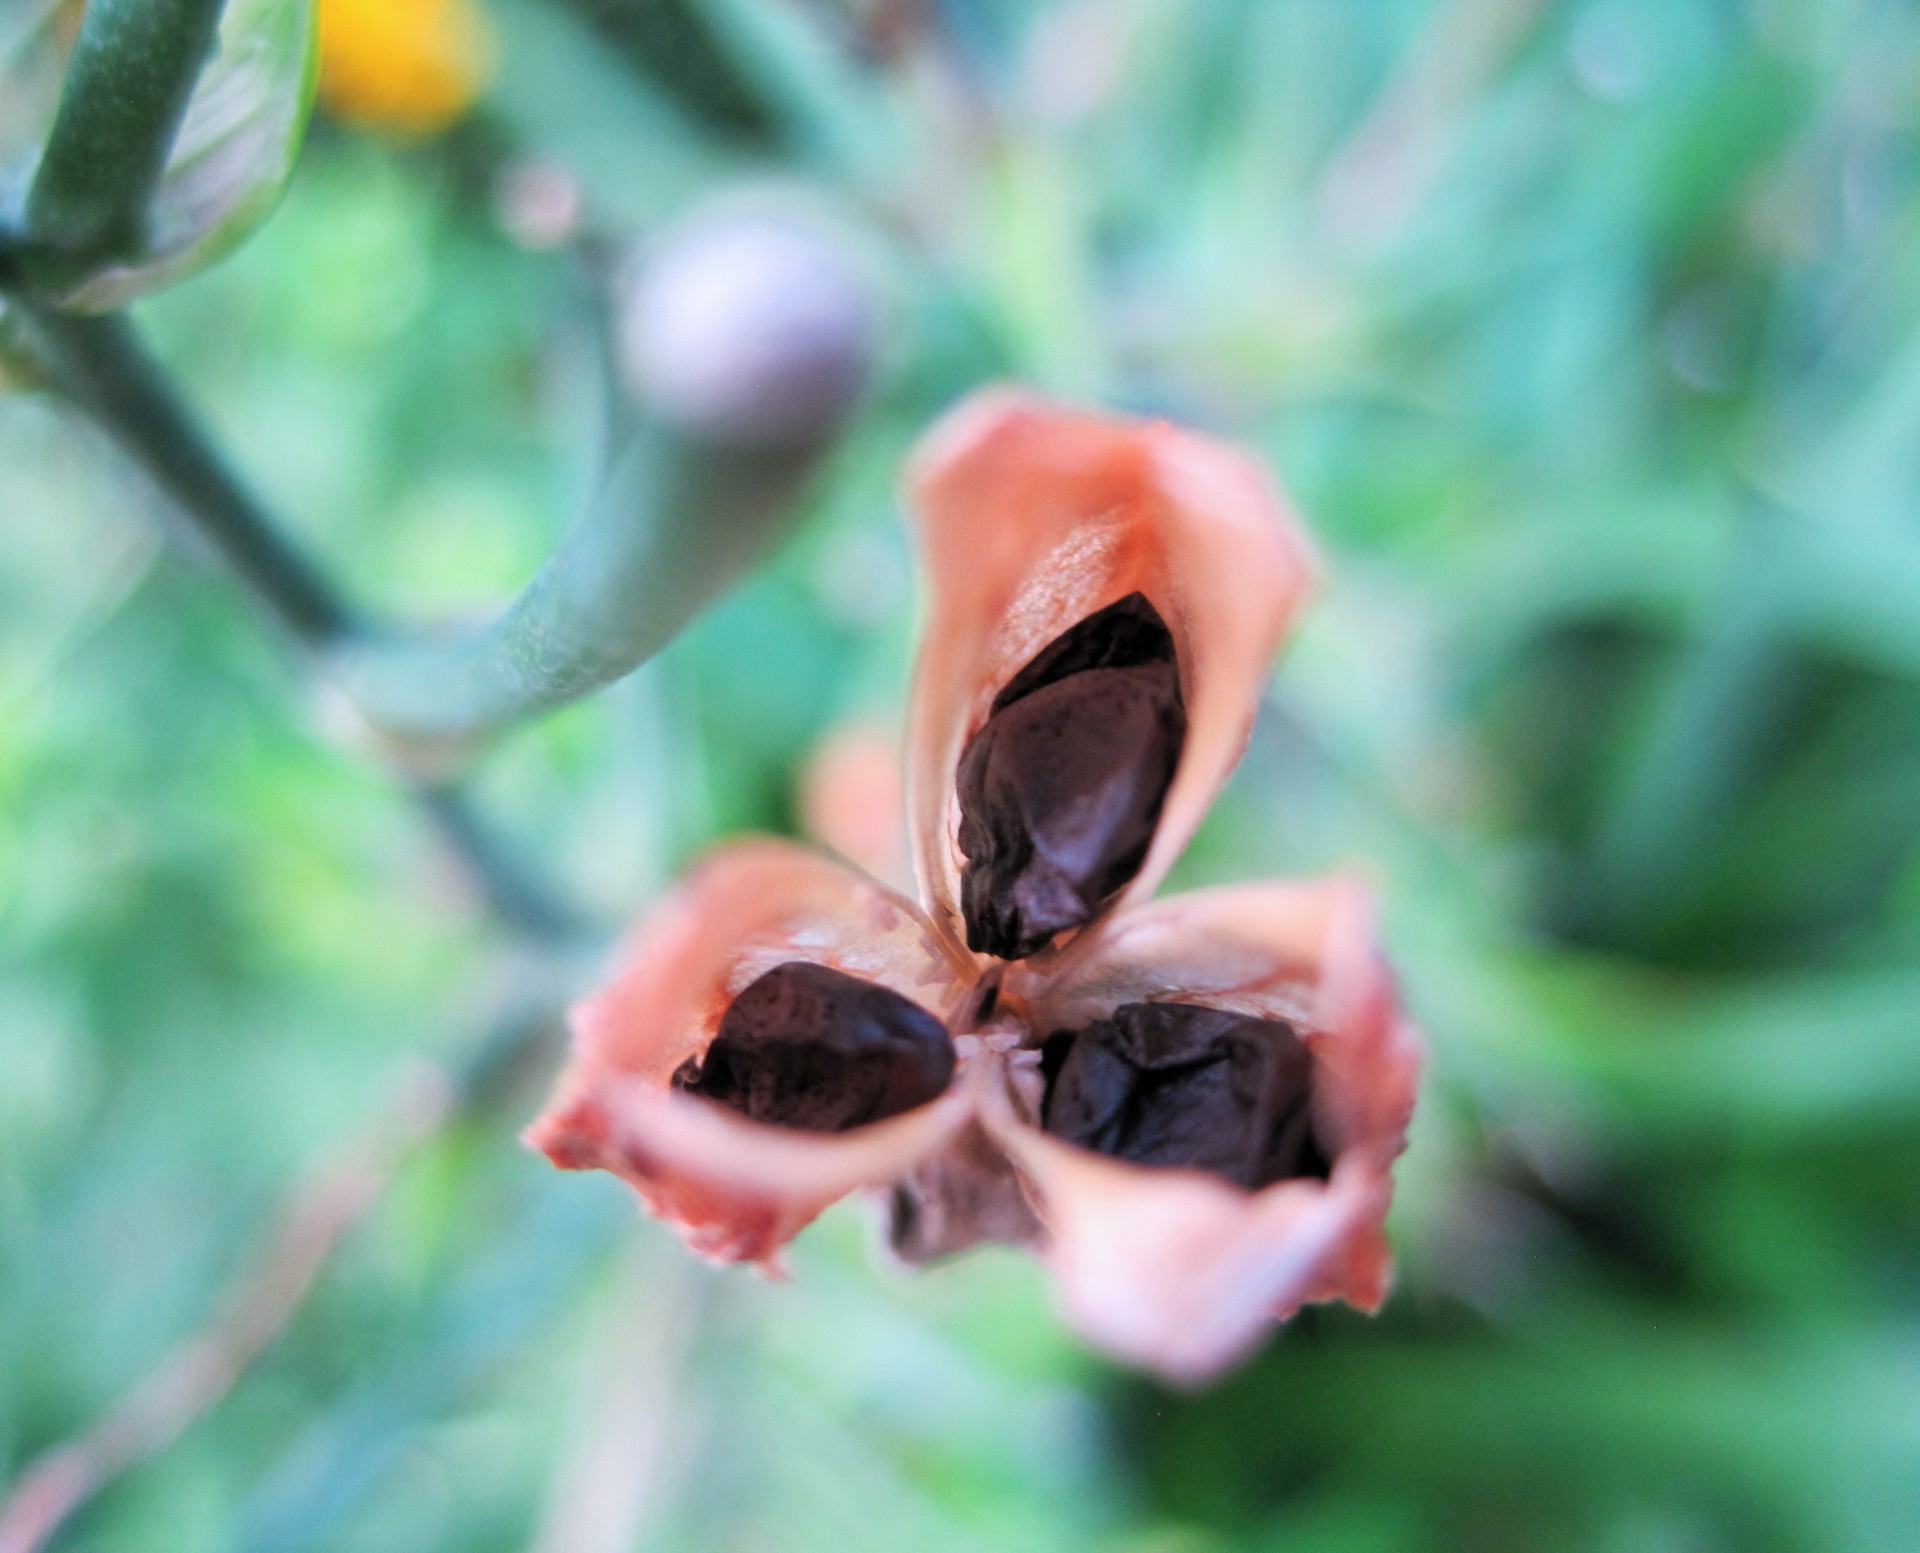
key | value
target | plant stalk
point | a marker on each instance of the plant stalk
(132, 74)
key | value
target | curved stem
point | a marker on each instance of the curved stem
(99, 364)
(132, 74)
(674, 523)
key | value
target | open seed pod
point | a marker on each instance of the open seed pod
(1168, 1263)
(1190, 1108)
(761, 939)
(1033, 520)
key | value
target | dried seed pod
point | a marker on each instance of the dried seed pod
(1177, 1269)
(737, 1189)
(1033, 519)
(961, 1196)
(1206, 1142)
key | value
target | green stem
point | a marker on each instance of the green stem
(132, 74)
(673, 42)
(516, 895)
(674, 524)
(99, 363)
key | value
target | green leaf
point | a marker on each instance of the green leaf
(234, 154)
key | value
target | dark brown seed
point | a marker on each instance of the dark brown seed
(1062, 787)
(1128, 632)
(1172, 1084)
(810, 1047)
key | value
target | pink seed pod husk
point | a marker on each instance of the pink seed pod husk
(1032, 517)
(1179, 1271)
(736, 1189)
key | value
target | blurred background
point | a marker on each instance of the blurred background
(1586, 336)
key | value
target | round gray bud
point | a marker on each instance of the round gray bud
(750, 328)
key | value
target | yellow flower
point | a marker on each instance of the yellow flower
(409, 67)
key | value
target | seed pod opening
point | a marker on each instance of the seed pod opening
(733, 1187)
(812, 1048)
(1176, 1085)
(1061, 788)
(1033, 517)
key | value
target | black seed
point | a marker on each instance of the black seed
(809, 1047)
(1053, 1056)
(1062, 787)
(1127, 633)
(1172, 1084)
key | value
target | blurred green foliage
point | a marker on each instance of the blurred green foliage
(1585, 336)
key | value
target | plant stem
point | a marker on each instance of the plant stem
(675, 44)
(99, 363)
(674, 523)
(515, 893)
(132, 74)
